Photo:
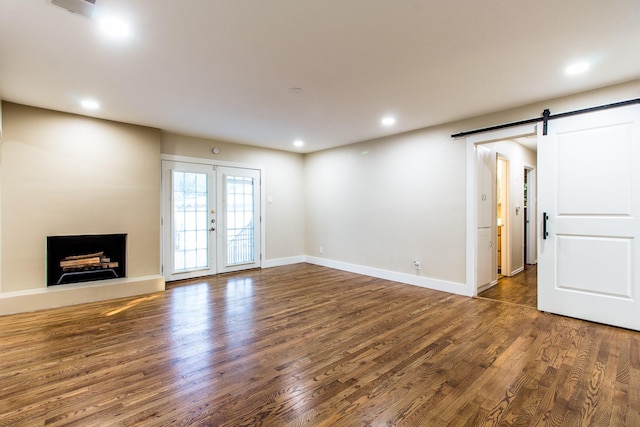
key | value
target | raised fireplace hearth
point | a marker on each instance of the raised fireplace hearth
(85, 258)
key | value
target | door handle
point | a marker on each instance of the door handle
(212, 229)
(545, 233)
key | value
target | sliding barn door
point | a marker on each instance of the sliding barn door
(589, 204)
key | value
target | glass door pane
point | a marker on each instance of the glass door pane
(239, 215)
(188, 220)
(239, 199)
(190, 225)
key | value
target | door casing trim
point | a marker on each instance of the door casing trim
(471, 218)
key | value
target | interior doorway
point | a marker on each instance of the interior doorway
(530, 205)
(520, 288)
(526, 217)
(502, 216)
(513, 229)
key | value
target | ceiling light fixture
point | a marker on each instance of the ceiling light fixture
(90, 104)
(577, 68)
(388, 121)
(114, 27)
(298, 143)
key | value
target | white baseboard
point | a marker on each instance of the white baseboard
(486, 286)
(425, 282)
(516, 271)
(268, 263)
(78, 293)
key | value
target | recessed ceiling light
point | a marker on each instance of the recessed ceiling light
(90, 104)
(577, 68)
(114, 27)
(298, 143)
(388, 121)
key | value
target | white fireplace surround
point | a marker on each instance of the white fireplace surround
(78, 293)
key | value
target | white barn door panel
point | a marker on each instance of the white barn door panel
(589, 189)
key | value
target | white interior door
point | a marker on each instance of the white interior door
(188, 220)
(239, 218)
(589, 188)
(486, 271)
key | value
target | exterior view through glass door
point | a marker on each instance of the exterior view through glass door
(210, 219)
(188, 220)
(239, 202)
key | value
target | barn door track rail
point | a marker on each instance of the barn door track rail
(546, 116)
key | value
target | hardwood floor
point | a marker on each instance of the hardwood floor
(306, 345)
(519, 289)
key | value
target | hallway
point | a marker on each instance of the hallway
(520, 289)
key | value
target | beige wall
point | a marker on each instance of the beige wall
(67, 174)
(383, 203)
(386, 202)
(283, 181)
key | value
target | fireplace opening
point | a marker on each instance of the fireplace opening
(85, 258)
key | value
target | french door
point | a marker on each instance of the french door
(589, 213)
(188, 220)
(239, 203)
(210, 219)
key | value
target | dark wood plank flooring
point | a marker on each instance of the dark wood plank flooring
(519, 289)
(304, 345)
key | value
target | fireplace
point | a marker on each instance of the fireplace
(85, 258)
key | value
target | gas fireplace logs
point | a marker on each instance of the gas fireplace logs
(95, 261)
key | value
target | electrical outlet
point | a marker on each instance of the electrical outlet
(321, 250)
(416, 264)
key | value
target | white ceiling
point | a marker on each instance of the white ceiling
(224, 69)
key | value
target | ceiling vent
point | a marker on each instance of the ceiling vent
(81, 7)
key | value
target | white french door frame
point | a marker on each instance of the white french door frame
(194, 221)
(215, 163)
(471, 213)
(226, 218)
